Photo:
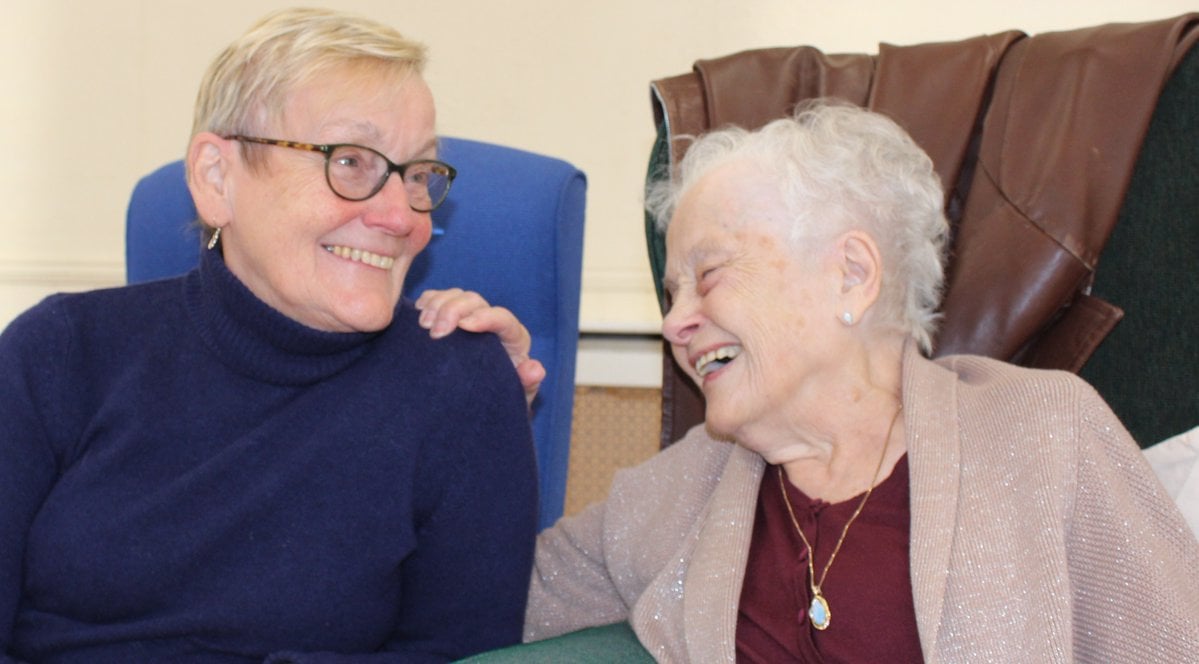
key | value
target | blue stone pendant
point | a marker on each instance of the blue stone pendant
(819, 613)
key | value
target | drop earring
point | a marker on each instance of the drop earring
(216, 237)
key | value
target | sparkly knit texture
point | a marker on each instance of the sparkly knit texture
(1039, 533)
(188, 475)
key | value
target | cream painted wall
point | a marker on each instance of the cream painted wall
(94, 94)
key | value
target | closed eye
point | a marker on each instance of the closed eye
(708, 277)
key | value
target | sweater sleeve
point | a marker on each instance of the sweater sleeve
(571, 587)
(593, 568)
(1132, 557)
(31, 350)
(465, 585)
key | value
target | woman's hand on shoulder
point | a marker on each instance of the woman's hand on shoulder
(443, 310)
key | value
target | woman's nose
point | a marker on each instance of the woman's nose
(391, 209)
(680, 322)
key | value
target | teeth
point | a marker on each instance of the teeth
(713, 360)
(361, 256)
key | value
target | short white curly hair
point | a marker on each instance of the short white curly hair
(841, 167)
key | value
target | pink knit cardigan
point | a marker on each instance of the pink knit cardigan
(1039, 533)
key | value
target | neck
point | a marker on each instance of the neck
(840, 438)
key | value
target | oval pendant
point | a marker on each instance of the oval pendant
(819, 613)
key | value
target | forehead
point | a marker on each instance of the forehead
(717, 214)
(366, 103)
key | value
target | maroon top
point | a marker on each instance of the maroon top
(868, 587)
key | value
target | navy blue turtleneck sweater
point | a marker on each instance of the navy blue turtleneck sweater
(186, 475)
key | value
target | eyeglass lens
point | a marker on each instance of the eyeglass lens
(357, 173)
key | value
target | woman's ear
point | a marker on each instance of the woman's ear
(861, 271)
(209, 162)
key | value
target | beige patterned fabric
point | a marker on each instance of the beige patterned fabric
(611, 428)
(1039, 533)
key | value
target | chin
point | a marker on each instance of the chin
(374, 326)
(718, 426)
(366, 317)
(372, 323)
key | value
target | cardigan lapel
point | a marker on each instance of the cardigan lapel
(934, 448)
(712, 590)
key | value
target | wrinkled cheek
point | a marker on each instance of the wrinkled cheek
(421, 236)
(757, 375)
(778, 341)
(680, 357)
(415, 243)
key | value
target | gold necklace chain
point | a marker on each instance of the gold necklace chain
(818, 610)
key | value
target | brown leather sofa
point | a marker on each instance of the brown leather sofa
(1036, 139)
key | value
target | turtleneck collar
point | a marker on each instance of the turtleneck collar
(256, 340)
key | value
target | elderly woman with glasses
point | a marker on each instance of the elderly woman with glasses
(849, 499)
(270, 458)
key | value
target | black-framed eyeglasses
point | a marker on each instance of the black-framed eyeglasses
(356, 172)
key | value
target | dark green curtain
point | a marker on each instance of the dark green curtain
(659, 168)
(1148, 368)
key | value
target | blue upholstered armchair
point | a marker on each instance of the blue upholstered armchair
(512, 229)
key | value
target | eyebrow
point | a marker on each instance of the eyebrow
(432, 145)
(704, 250)
(365, 129)
(370, 133)
(698, 254)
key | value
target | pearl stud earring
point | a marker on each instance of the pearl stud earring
(847, 318)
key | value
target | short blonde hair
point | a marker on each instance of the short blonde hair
(248, 83)
(838, 167)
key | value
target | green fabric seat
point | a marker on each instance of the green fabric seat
(595, 645)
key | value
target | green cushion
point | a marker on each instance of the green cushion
(595, 645)
(1148, 367)
(655, 240)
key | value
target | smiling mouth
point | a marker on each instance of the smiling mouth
(716, 359)
(360, 256)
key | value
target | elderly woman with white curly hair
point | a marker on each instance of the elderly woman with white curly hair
(874, 505)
